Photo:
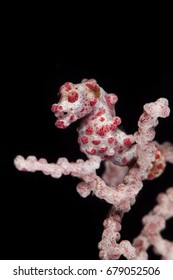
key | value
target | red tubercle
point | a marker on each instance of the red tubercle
(91, 152)
(93, 102)
(67, 86)
(120, 151)
(117, 121)
(103, 149)
(101, 133)
(103, 130)
(111, 139)
(96, 142)
(102, 119)
(157, 156)
(112, 126)
(160, 166)
(127, 142)
(73, 97)
(84, 139)
(60, 124)
(54, 108)
(72, 117)
(89, 130)
(109, 156)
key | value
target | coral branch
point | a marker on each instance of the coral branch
(147, 152)
(154, 223)
(62, 167)
(129, 160)
(109, 248)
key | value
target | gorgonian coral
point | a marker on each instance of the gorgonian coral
(129, 160)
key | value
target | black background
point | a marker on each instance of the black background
(42, 217)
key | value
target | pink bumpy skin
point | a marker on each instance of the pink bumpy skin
(98, 132)
(129, 160)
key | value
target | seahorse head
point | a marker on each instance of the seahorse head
(75, 101)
